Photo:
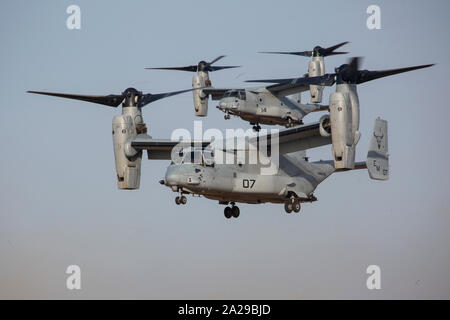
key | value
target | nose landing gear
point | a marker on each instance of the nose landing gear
(180, 200)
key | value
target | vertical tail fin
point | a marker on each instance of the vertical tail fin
(378, 156)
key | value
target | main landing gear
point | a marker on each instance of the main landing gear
(232, 211)
(292, 204)
(290, 123)
(180, 200)
(256, 127)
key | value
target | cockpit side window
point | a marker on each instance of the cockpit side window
(208, 157)
(193, 157)
(231, 93)
(241, 95)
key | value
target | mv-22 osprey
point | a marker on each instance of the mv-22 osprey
(262, 105)
(200, 170)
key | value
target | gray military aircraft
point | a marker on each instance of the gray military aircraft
(267, 105)
(199, 171)
(262, 105)
(292, 182)
(281, 173)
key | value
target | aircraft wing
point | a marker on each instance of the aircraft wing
(285, 87)
(290, 140)
(272, 80)
(299, 138)
(161, 149)
(216, 93)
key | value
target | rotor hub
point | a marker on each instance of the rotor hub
(131, 97)
(317, 51)
(202, 66)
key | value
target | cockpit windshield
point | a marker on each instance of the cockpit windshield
(231, 93)
(194, 156)
(198, 156)
(240, 94)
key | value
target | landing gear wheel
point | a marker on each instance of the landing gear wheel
(289, 124)
(226, 117)
(296, 206)
(227, 212)
(183, 200)
(288, 206)
(235, 211)
(177, 200)
(257, 128)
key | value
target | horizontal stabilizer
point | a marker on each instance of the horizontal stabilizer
(378, 156)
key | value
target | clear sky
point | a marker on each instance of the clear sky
(60, 204)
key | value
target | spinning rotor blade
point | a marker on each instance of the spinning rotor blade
(317, 51)
(350, 73)
(207, 65)
(325, 80)
(365, 75)
(271, 80)
(222, 67)
(111, 100)
(149, 98)
(201, 66)
(296, 53)
(347, 73)
(188, 68)
(354, 64)
(130, 97)
(215, 60)
(330, 50)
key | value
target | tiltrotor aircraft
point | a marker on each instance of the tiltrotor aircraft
(201, 170)
(258, 169)
(262, 105)
(270, 105)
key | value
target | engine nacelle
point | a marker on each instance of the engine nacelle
(344, 118)
(200, 99)
(316, 68)
(128, 168)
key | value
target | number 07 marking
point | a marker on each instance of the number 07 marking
(248, 183)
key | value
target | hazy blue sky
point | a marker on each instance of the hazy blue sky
(60, 204)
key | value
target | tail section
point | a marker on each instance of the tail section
(378, 156)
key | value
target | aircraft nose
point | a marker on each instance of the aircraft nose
(223, 105)
(172, 177)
